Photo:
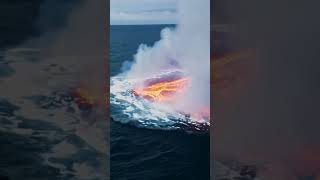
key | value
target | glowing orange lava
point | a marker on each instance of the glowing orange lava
(163, 91)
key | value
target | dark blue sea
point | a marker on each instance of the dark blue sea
(139, 153)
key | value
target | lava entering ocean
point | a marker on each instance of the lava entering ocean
(168, 84)
(167, 89)
(163, 91)
(152, 102)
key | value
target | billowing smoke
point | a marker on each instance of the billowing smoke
(185, 47)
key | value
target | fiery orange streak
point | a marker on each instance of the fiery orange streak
(163, 91)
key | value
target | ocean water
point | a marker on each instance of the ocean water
(142, 149)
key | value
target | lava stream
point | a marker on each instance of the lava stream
(163, 91)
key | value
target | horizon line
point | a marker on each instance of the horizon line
(142, 24)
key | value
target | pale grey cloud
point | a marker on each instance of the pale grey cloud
(143, 11)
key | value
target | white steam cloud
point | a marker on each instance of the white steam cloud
(189, 46)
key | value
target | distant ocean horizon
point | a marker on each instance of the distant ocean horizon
(143, 24)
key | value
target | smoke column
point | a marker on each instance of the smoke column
(188, 45)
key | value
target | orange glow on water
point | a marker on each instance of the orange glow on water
(163, 91)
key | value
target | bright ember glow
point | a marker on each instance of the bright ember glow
(163, 91)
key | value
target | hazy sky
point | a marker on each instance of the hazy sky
(142, 12)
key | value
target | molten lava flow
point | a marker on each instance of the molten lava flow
(167, 90)
(163, 91)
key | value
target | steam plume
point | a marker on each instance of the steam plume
(186, 47)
